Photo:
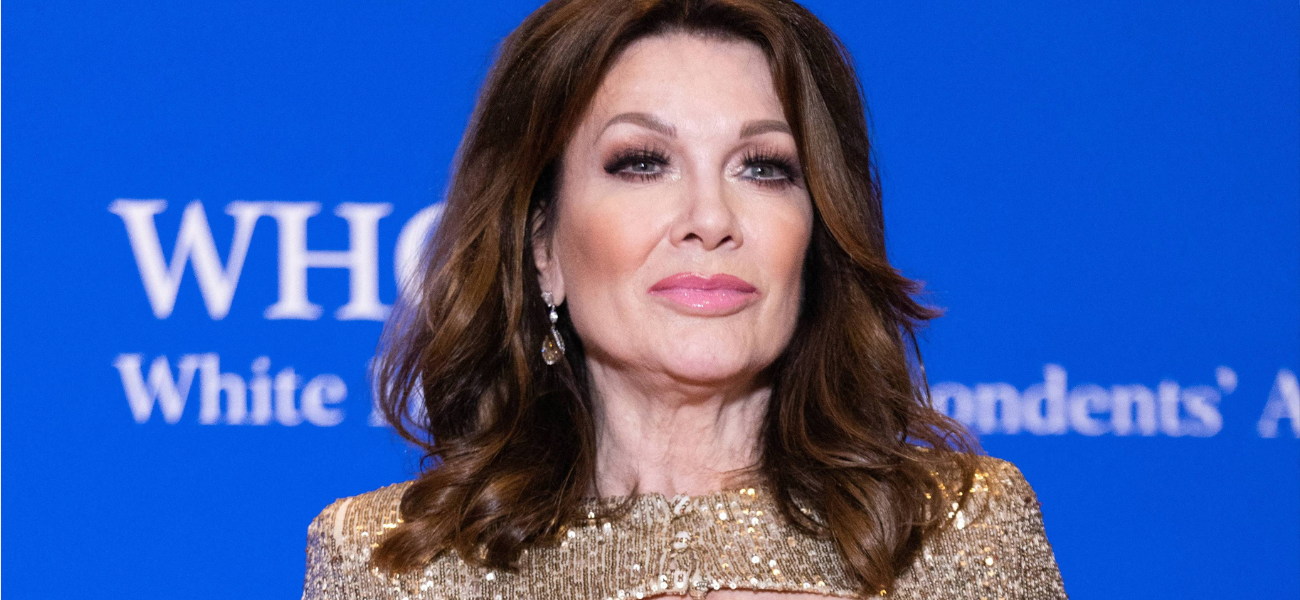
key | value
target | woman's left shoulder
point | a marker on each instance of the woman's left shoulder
(994, 542)
(1003, 483)
(997, 492)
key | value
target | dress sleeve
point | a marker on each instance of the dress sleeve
(993, 546)
(1032, 564)
(326, 577)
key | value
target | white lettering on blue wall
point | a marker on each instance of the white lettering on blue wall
(1053, 407)
(195, 247)
(229, 398)
(1283, 403)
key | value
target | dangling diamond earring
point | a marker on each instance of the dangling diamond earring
(553, 345)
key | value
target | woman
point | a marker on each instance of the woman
(658, 347)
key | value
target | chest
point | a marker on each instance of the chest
(748, 595)
(732, 547)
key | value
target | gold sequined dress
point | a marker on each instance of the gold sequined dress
(688, 546)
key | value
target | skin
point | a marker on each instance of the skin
(679, 395)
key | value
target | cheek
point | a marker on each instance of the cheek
(602, 244)
(785, 235)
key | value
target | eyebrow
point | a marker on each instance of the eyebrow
(646, 120)
(653, 123)
(763, 126)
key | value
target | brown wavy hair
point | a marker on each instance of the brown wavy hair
(510, 441)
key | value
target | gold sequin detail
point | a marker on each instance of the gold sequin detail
(688, 546)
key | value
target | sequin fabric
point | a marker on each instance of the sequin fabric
(995, 549)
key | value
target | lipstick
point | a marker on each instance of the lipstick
(714, 295)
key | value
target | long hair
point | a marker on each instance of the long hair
(510, 441)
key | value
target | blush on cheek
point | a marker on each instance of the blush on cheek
(594, 245)
(601, 248)
(785, 239)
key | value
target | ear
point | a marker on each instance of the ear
(550, 276)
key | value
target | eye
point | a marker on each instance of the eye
(642, 167)
(766, 167)
(763, 171)
(641, 164)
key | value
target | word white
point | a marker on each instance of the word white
(1053, 408)
(272, 397)
(217, 282)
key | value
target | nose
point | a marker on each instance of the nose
(707, 217)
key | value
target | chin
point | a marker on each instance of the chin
(711, 355)
(703, 367)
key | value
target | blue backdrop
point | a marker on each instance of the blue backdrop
(1105, 196)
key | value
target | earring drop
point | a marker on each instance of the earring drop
(553, 344)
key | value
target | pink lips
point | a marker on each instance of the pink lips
(714, 295)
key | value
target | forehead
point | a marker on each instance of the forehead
(681, 75)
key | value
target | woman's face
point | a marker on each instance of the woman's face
(682, 216)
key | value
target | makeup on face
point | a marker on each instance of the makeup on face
(647, 158)
(683, 214)
(714, 295)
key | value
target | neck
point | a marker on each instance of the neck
(659, 435)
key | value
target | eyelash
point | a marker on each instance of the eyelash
(782, 163)
(656, 156)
